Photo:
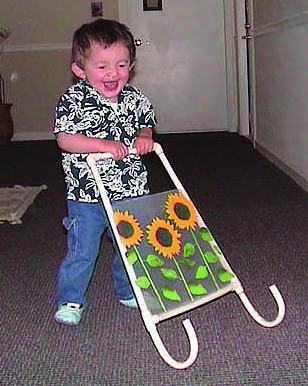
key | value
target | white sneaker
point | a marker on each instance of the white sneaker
(129, 302)
(69, 313)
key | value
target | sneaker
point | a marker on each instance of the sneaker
(129, 302)
(150, 300)
(69, 313)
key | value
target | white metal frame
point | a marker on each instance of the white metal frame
(150, 320)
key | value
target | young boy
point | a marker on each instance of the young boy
(101, 113)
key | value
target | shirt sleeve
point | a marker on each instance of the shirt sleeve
(66, 115)
(146, 113)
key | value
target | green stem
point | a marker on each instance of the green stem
(150, 279)
(183, 278)
(204, 260)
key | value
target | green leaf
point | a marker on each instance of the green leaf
(224, 275)
(205, 235)
(169, 274)
(210, 257)
(153, 261)
(170, 293)
(143, 282)
(188, 263)
(201, 272)
(188, 250)
(131, 257)
(196, 288)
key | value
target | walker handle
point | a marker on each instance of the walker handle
(99, 156)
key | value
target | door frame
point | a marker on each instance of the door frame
(251, 72)
(244, 108)
(236, 63)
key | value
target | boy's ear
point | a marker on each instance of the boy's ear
(132, 65)
(78, 71)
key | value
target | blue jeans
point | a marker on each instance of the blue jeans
(85, 225)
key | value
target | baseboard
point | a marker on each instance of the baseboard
(39, 136)
(300, 180)
(34, 136)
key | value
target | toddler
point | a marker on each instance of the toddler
(100, 113)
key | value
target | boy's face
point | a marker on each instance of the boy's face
(106, 69)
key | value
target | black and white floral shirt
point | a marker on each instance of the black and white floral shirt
(83, 110)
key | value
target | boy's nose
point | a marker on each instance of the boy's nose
(112, 71)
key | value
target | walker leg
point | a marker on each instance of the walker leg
(256, 316)
(189, 329)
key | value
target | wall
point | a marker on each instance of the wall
(273, 11)
(39, 53)
(281, 62)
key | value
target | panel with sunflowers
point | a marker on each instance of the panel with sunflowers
(175, 261)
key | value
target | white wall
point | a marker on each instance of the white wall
(38, 52)
(268, 11)
(281, 54)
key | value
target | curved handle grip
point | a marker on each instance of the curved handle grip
(193, 341)
(98, 156)
(257, 317)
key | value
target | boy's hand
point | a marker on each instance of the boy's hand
(144, 142)
(117, 149)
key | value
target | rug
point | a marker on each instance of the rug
(15, 201)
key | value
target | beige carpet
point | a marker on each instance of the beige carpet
(15, 201)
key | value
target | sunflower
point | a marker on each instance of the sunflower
(163, 237)
(180, 210)
(128, 228)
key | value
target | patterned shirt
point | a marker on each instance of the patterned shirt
(83, 110)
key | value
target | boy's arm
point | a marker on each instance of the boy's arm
(144, 142)
(78, 143)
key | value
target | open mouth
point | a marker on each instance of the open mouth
(111, 86)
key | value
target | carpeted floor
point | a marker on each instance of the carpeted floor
(259, 218)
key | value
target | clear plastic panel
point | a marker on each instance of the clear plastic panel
(174, 267)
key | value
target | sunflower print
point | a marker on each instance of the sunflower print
(128, 228)
(163, 237)
(181, 211)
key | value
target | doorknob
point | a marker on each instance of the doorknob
(247, 37)
(138, 42)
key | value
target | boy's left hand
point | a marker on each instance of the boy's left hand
(144, 142)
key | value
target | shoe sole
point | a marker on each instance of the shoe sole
(67, 323)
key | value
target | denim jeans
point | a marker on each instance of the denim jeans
(85, 224)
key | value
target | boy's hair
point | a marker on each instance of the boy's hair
(102, 31)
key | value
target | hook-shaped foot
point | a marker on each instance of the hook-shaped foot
(257, 317)
(193, 341)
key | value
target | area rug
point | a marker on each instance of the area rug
(15, 201)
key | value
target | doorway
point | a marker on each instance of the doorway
(187, 64)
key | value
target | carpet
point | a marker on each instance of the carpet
(259, 218)
(15, 201)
